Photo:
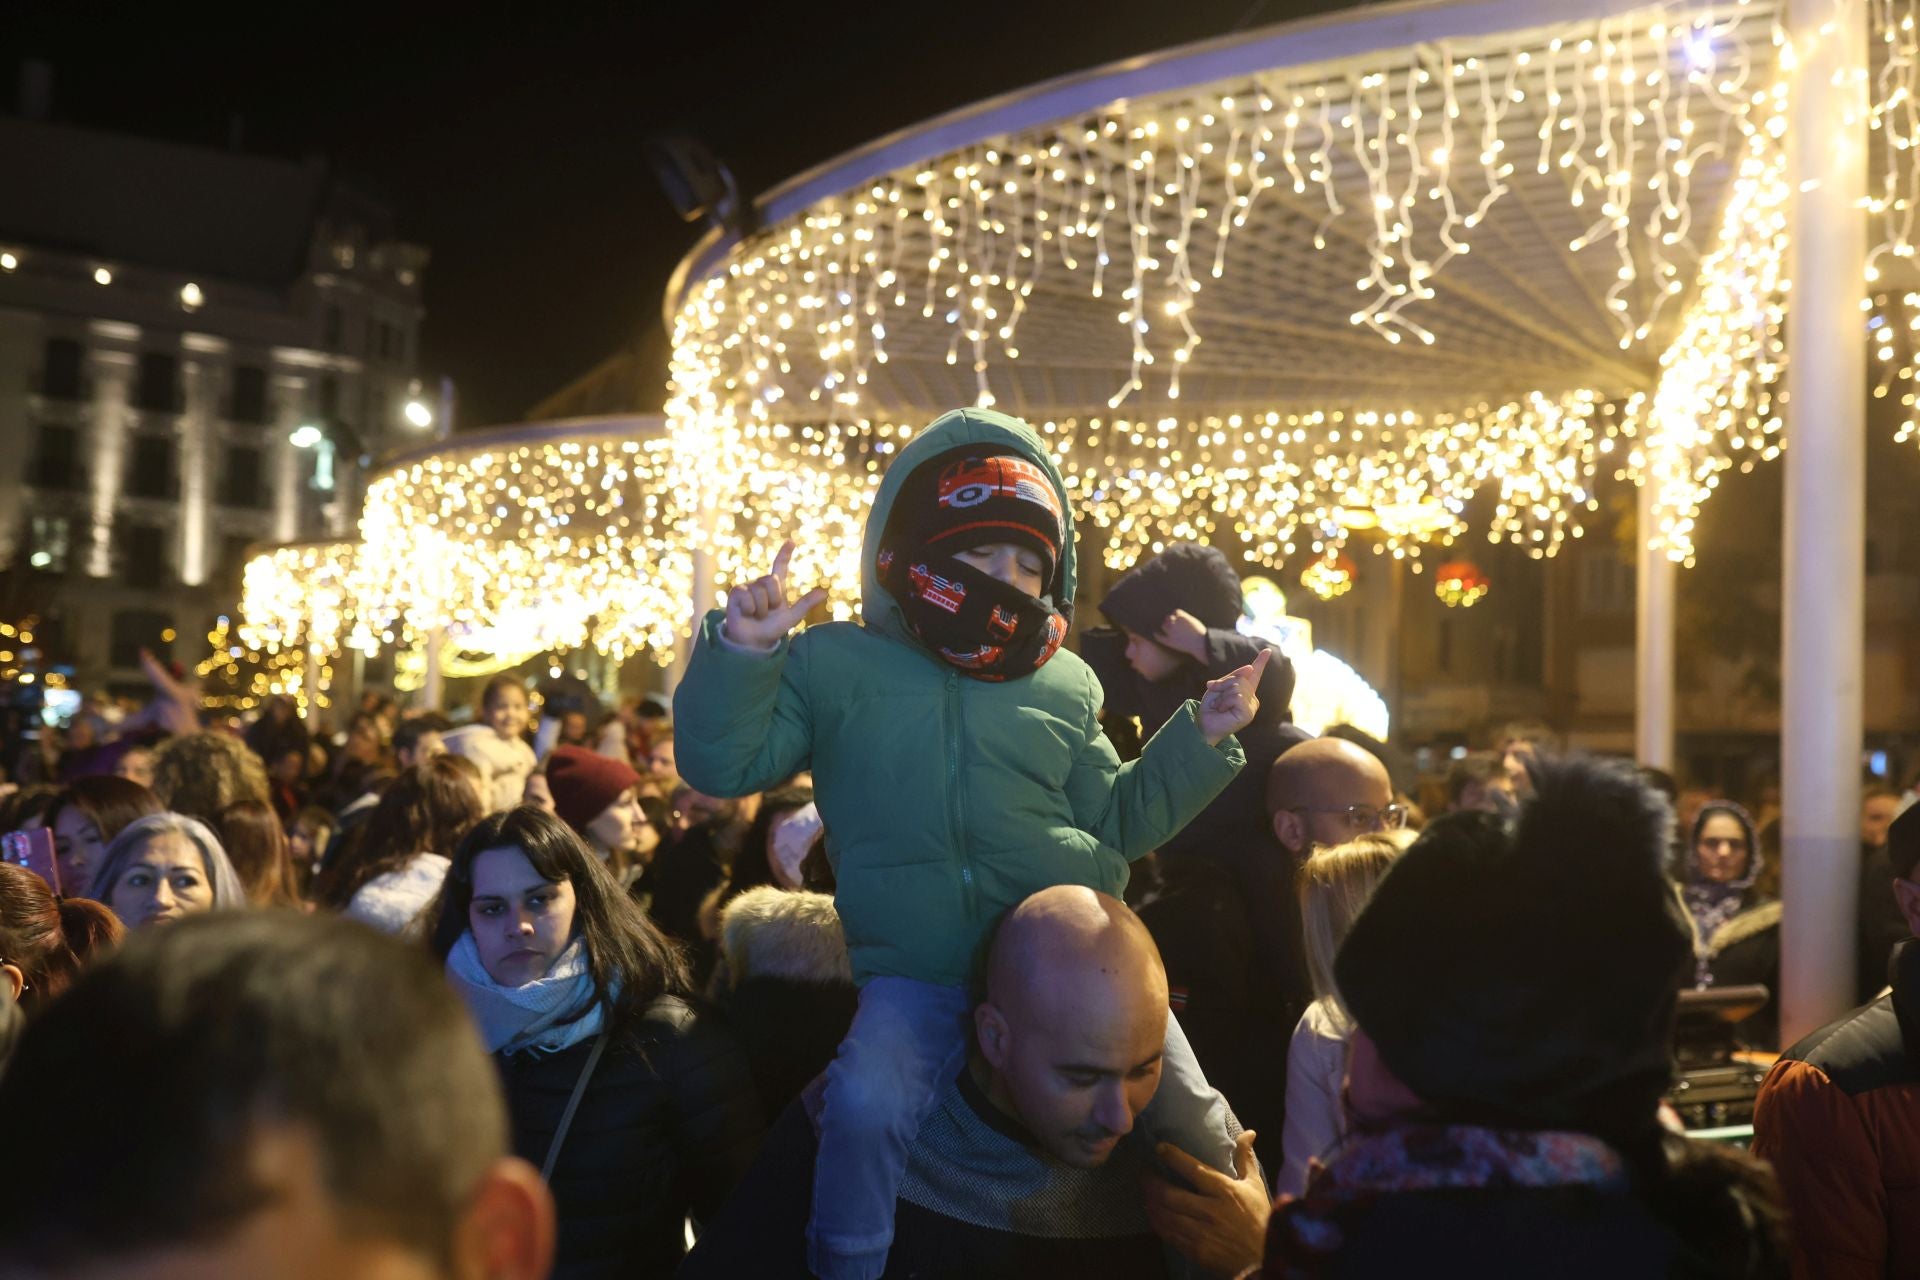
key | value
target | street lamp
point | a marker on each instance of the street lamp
(418, 413)
(309, 436)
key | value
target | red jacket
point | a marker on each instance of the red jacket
(1839, 1119)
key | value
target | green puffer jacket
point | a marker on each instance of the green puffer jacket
(946, 799)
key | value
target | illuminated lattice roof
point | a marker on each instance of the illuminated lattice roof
(1283, 191)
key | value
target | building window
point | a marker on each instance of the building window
(150, 469)
(137, 629)
(331, 338)
(240, 481)
(1607, 583)
(142, 548)
(328, 395)
(48, 541)
(249, 395)
(60, 370)
(399, 345)
(158, 388)
(56, 457)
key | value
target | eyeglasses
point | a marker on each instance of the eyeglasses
(1362, 818)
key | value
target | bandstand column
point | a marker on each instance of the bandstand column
(1653, 646)
(1825, 531)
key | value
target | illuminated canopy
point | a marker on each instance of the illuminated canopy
(1351, 273)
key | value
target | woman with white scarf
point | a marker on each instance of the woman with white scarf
(638, 1109)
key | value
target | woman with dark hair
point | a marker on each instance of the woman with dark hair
(393, 864)
(44, 941)
(638, 1108)
(1731, 892)
(1721, 872)
(86, 816)
(257, 845)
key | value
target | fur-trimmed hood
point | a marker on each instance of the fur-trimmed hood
(770, 932)
(1750, 923)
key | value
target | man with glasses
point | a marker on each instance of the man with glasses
(1838, 1117)
(1236, 972)
(1326, 792)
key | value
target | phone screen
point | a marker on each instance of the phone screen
(34, 851)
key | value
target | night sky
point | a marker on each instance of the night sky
(509, 137)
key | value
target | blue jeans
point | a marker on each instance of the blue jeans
(908, 1041)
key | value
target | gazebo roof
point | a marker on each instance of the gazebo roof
(1318, 125)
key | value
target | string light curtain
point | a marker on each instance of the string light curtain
(1270, 308)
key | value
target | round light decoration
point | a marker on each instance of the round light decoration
(1460, 584)
(1329, 577)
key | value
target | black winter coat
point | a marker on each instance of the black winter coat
(666, 1127)
(1524, 1233)
(790, 1031)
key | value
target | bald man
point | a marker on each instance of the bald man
(1326, 792)
(1229, 928)
(1033, 1161)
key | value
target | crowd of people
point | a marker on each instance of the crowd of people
(924, 945)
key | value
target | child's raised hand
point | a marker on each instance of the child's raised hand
(1230, 702)
(759, 615)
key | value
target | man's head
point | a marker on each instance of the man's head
(1071, 1030)
(418, 739)
(1326, 791)
(1479, 782)
(310, 1100)
(1903, 851)
(1878, 807)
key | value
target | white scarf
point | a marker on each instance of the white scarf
(537, 1016)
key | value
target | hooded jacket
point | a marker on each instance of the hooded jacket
(1838, 1117)
(1199, 580)
(946, 800)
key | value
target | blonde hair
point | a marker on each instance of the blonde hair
(1334, 885)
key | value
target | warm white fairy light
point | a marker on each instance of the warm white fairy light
(780, 426)
(1715, 405)
(1138, 206)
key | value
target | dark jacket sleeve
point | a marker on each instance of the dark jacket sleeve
(761, 1230)
(717, 1111)
(1813, 1135)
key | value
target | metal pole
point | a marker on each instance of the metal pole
(1825, 534)
(703, 590)
(1653, 647)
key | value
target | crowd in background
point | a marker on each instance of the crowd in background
(546, 858)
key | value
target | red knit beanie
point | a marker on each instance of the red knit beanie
(584, 783)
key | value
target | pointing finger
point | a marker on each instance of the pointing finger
(780, 561)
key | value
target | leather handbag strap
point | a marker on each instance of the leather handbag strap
(573, 1105)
